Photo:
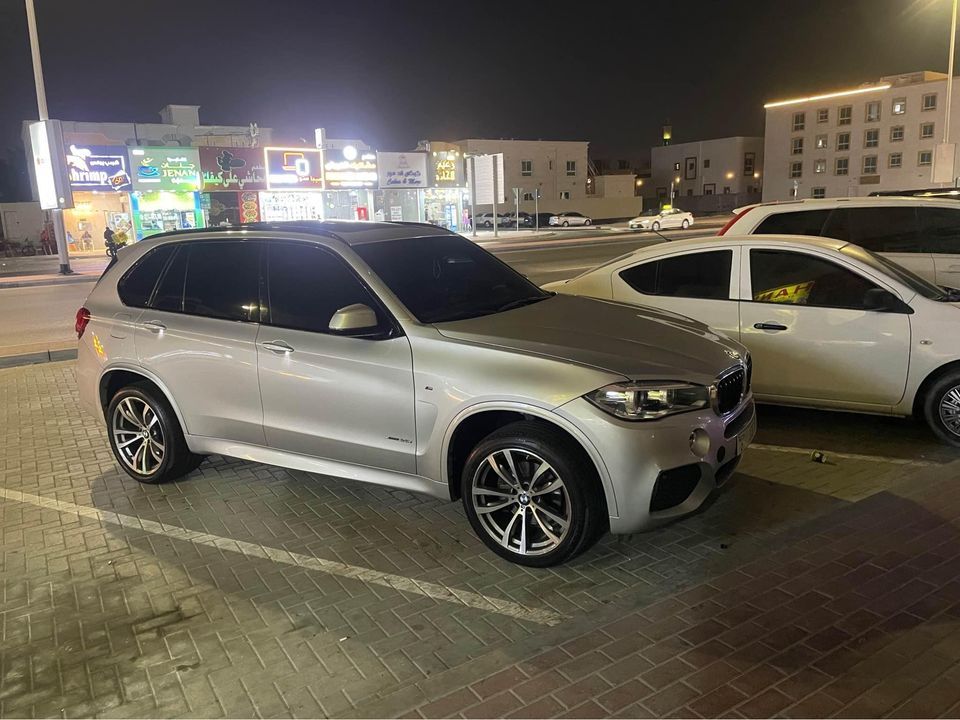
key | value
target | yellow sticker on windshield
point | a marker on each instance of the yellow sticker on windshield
(795, 294)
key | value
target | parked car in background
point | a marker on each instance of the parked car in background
(406, 355)
(542, 219)
(829, 324)
(488, 220)
(922, 234)
(657, 220)
(569, 218)
(526, 219)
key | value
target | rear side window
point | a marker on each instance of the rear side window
(703, 275)
(809, 222)
(136, 286)
(169, 295)
(940, 230)
(883, 229)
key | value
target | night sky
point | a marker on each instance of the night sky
(396, 71)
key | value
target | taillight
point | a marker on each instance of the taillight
(83, 317)
(723, 230)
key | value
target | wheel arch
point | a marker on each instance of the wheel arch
(116, 377)
(920, 396)
(478, 421)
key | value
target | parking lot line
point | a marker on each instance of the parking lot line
(441, 593)
(846, 456)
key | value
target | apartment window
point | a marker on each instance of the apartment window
(925, 157)
(899, 106)
(822, 143)
(823, 115)
(726, 189)
(896, 133)
(869, 164)
(929, 102)
(564, 194)
(528, 197)
(818, 192)
(706, 163)
(871, 138)
(843, 141)
(842, 166)
(796, 169)
(549, 164)
(526, 167)
(799, 121)
(845, 115)
(873, 111)
(623, 164)
(820, 166)
(895, 160)
(926, 131)
(571, 167)
(749, 163)
(796, 146)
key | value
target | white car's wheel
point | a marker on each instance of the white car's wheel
(566, 223)
(685, 224)
(588, 221)
(941, 408)
(655, 227)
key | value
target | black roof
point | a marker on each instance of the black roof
(347, 230)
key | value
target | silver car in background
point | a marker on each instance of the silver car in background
(407, 356)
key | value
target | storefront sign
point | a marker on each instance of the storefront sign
(349, 168)
(249, 207)
(402, 170)
(98, 167)
(232, 169)
(165, 168)
(53, 185)
(447, 169)
(294, 168)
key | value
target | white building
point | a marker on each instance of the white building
(880, 135)
(723, 166)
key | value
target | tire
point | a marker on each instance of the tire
(588, 221)
(134, 408)
(941, 408)
(655, 227)
(566, 223)
(488, 224)
(578, 500)
(685, 224)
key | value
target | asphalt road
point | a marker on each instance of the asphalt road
(39, 318)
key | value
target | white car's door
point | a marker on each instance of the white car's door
(702, 284)
(804, 318)
(671, 219)
(940, 233)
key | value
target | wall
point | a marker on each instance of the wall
(726, 160)
(22, 220)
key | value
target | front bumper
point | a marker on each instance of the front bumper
(654, 473)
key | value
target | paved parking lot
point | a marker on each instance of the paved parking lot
(804, 589)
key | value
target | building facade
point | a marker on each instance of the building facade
(723, 166)
(878, 136)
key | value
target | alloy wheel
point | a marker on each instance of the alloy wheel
(950, 410)
(521, 501)
(138, 436)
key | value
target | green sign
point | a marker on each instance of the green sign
(165, 168)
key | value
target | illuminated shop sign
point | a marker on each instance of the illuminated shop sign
(447, 169)
(402, 170)
(293, 168)
(232, 169)
(349, 168)
(98, 167)
(46, 146)
(165, 168)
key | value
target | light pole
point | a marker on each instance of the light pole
(953, 46)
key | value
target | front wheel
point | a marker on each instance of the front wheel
(656, 227)
(941, 408)
(566, 223)
(685, 224)
(530, 497)
(488, 224)
(588, 221)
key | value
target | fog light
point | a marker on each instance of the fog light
(699, 442)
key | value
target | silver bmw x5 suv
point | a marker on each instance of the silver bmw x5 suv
(405, 355)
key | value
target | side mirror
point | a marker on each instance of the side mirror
(353, 319)
(880, 300)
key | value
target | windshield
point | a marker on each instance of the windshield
(447, 277)
(649, 213)
(909, 278)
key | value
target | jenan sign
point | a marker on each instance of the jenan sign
(165, 168)
(98, 167)
(294, 168)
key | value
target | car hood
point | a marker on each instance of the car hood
(645, 218)
(636, 342)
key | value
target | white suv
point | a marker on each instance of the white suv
(922, 234)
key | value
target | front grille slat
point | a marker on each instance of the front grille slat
(731, 389)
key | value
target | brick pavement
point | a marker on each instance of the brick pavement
(773, 600)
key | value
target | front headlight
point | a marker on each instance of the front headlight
(649, 400)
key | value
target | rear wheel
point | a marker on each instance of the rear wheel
(530, 497)
(566, 223)
(942, 408)
(685, 224)
(146, 437)
(656, 227)
(588, 221)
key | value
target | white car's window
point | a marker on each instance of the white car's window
(940, 230)
(892, 229)
(799, 222)
(704, 275)
(792, 278)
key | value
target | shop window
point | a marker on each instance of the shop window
(564, 194)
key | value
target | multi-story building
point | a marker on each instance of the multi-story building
(880, 135)
(723, 166)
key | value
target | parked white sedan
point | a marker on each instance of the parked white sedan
(657, 220)
(569, 218)
(828, 323)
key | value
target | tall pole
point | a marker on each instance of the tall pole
(953, 46)
(536, 209)
(516, 201)
(496, 191)
(58, 228)
(473, 194)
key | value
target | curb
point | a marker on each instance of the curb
(42, 283)
(36, 358)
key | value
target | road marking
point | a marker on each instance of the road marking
(846, 456)
(434, 591)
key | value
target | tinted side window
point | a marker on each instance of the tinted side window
(169, 295)
(883, 229)
(697, 275)
(308, 285)
(136, 286)
(807, 222)
(223, 280)
(940, 230)
(779, 276)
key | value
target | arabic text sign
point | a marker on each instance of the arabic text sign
(402, 170)
(165, 168)
(232, 169)
(98, 167)
(294, 168)
(448, 169)
(350, 169)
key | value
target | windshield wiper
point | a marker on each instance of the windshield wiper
(521, 302)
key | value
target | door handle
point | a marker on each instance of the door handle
(277, 346)
(777, 327)
(154, 325)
